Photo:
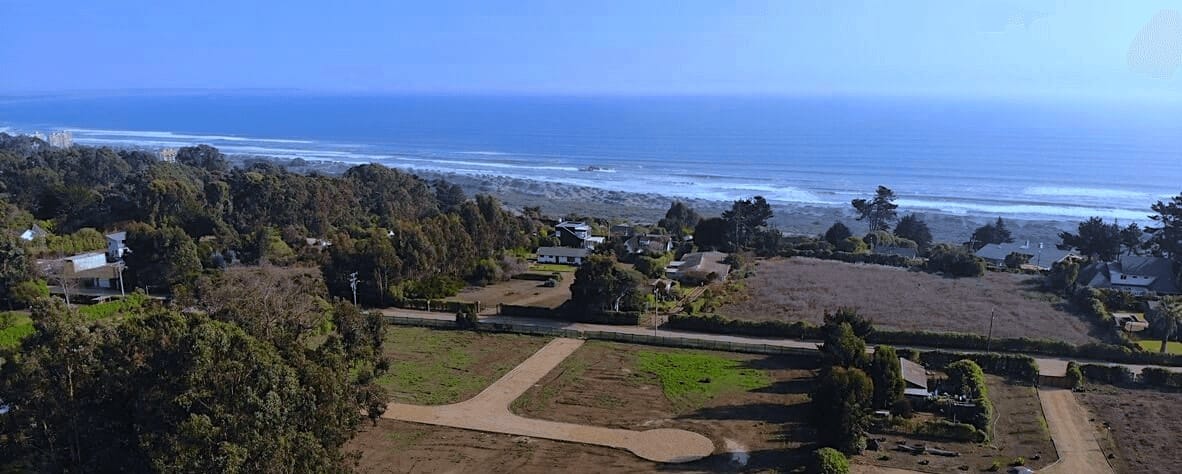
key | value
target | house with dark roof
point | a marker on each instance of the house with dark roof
(649, 243)
(1041, 256)
(576, 234)
(1135, 274)
(699, 267)
(567, 255)
(916, 379)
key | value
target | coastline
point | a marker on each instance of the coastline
(560, 199)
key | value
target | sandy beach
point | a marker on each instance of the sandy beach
(560, 199)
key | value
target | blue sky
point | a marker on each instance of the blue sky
(775, 47)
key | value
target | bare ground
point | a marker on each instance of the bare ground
(519, 292)
(1019, 430)
(761, 429)
(802, 289)
(1140, 429)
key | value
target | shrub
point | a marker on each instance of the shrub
(955, 261)
(1161, 378)
(1074, 375)
(829, 461)
(950, 430)
(1112, 375)
(853, 245)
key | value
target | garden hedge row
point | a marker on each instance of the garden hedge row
(803, 330)
(621, 318)
(441, 306)
(538, 276)
(1014, 366)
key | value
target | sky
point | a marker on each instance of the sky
(1073, 48)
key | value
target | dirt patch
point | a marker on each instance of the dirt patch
(801, 289)
(1019, 430)
(519, 292)
(1139, 428)
(436, 366)
(601, 384)
(402, 447)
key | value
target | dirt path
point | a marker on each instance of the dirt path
(489, 411)
(1074, 436)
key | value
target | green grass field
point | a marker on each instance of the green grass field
(436, 367)
(18, 327)
(551, 267)
(690, 379)
(1173, 347)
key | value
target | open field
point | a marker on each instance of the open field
(519, 292)
(1140, 429)
(1019, 430)
(802, 289)
(436, 367)
(752, 407)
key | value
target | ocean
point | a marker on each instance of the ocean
(1038, 160)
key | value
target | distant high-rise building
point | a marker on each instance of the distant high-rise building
(167, 154)
(61, 139)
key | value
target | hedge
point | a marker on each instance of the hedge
(538, 276)
(1161, 378)
(951, 430)
(528, 311)
(847, 257)
(1109, 374)
(1016, 366)
(803, 330)
(442, 306)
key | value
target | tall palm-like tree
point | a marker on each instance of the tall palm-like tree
(1168, 316)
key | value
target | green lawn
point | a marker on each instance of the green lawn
(690, 379)
(436, 367)
(552, 267)
(18, 327)
(1173, 347)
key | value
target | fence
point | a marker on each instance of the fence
(645, 339)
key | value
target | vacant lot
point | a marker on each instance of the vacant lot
(519, 292)
(752, 407)
(802, 289)
(1019, 431)
(1139, 429)
(436, 367)
(1173, 347)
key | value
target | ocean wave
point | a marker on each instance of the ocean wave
(1029, 211)
(483, 153)
(1068, 191)
(179, 136)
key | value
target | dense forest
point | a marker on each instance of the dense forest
(260, 363)
(199, 213)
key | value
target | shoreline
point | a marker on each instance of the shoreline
(559, 200)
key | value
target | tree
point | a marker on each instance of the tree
(837, 233)
(164, 392)
(1132, 239)
(842, 348)
(601, 285)
(450, 196)
(203, 156)
(887, 375)
(862, 326)
(15, 267)
(160, 258)
(853, 245)
(1016, 259)
(711, 234)
(1167, 318)
(829, 461)
(879, 211)
(841, 401)
(745, 218)
(1166, 233)
(1063, 275)
(1094, 239)
(913, 228)
(680, 219)
(995, 233)
(966, 378)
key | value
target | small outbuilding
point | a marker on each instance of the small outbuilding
(565, 255)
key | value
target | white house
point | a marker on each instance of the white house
(115, 245)
(567, 255)
(649, 243)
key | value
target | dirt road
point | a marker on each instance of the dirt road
(489, 411)
(1074, 436)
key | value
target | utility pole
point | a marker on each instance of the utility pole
(119, 267)
(353, 285)
(989, 340)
